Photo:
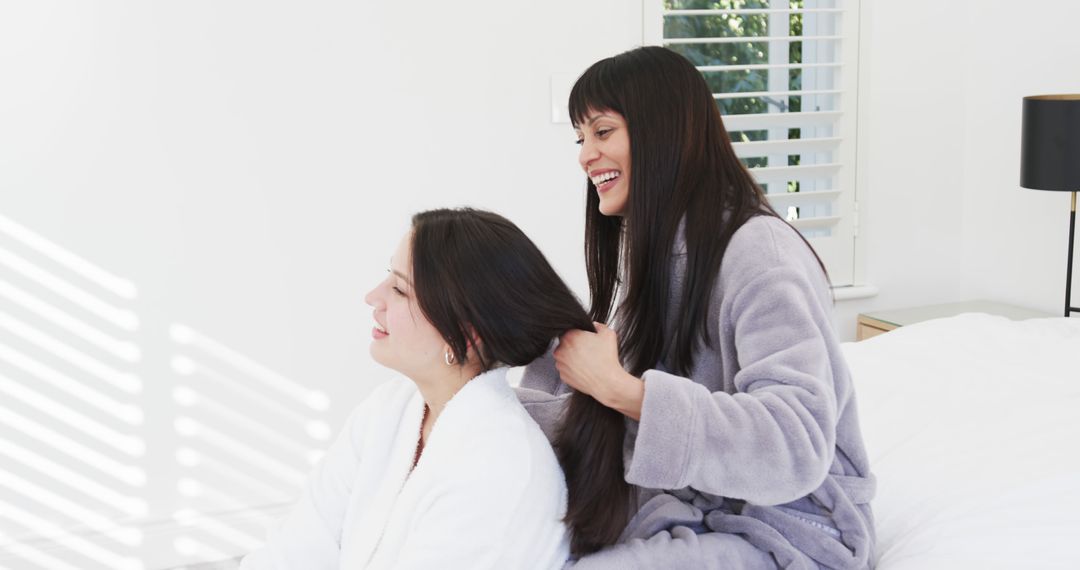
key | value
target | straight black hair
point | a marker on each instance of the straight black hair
(684, 169)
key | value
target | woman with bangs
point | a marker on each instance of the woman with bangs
(714, 424)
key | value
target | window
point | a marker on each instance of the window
(784, 73)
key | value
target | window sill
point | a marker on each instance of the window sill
(852, 292)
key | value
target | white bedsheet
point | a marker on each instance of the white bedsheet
(972, 424)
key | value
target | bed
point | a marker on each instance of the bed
(972, 429)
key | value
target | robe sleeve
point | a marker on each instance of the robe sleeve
(773, 440)
(310, 535)
(542, 393)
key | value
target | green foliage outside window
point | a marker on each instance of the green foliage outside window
(740, 53)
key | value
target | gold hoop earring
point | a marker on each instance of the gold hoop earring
(449, 357)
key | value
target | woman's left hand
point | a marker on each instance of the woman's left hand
(589, 362)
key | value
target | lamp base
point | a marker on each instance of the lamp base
(1068, 273)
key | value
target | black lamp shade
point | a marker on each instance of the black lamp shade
(1050, 143)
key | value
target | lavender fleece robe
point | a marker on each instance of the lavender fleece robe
(756, 459)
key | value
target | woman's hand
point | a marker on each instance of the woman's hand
(589, 363)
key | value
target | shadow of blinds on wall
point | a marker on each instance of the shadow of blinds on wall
(784, 74)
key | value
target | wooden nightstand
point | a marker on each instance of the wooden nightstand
(878, 322)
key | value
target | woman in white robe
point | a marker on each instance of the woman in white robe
(443, 468)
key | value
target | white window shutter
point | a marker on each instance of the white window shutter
(791, 115)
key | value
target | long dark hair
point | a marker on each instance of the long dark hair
(683, 167)
(475, 272)
(477, 275)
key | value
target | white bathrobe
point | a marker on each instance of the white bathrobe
(487, 492)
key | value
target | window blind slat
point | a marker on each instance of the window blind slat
(746, 94)
(750, 39)
(815, 223)
(781, 200)
(737, 11)
(767, 174)
(751, 122)
(790, 146)
(764, 66)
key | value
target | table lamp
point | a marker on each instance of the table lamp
(1050, 157)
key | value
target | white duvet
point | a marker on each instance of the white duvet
(972, 424)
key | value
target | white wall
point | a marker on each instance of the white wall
(943, 216)
(234, 176)
(245, 169)
(1015, 239)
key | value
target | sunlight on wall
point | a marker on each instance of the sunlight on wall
(77, 424)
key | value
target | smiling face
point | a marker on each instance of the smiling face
(402, 338)
(605, 158)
